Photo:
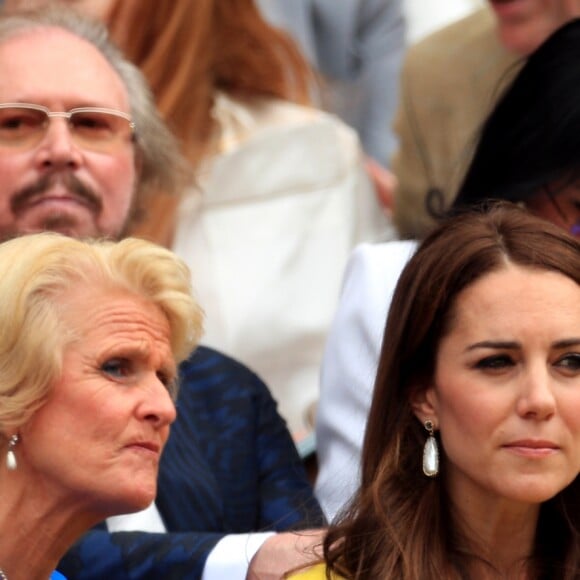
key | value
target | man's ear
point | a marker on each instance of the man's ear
(424, 404)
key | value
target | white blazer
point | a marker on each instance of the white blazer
(268, 237)
(349, 367)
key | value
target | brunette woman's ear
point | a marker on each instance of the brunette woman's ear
(424, 404)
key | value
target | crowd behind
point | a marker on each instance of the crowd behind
(289, 289)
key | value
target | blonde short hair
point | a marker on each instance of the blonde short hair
(36, 271)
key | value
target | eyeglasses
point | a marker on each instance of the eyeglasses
(23, 126)
(574, 229)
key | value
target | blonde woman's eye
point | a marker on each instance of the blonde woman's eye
(116, 367)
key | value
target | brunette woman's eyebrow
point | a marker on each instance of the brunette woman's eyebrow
(567, 343)
(511, 345)
(495, 344)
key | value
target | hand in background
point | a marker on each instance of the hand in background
(385, 183)
(284, 552)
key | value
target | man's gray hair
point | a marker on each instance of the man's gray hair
(161, 167)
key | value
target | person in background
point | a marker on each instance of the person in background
(528, 152)
(230, 467)
(449, 83)
(471, 458)
(358, 51)
(281, 196)
(528, 149)
(427, 16)
(92, 333)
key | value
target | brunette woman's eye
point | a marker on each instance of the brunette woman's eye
(570, 362)
(495, 362)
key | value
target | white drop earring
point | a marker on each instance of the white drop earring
(430, 452)
(11, 463)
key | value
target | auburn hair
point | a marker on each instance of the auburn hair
(190, 49)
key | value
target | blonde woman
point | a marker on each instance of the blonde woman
(92, 333)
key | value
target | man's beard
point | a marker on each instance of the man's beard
(61, 222)
(76, 188)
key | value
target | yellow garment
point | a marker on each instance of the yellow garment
(315, 573)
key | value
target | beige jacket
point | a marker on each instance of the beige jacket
(449, 83)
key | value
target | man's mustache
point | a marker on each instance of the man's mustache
(72, 184)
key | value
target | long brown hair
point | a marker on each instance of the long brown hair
(400, 525)
(188, 50)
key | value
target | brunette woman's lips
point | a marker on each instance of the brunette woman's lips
(532, 448)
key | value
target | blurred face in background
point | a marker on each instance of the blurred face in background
(525, 24)
(57, 182)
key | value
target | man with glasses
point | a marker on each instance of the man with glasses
(22, 125)
(80, 145)
(47, 203)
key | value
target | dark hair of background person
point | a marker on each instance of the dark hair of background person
(531, 139)
(400, 523)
